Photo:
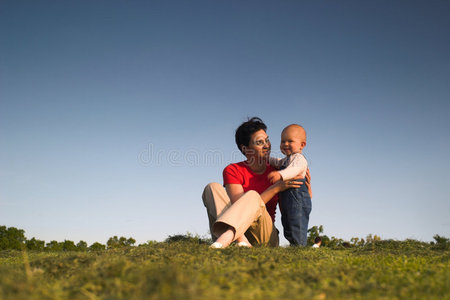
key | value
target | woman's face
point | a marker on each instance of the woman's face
(259, 146)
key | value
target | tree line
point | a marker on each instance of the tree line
(12, 238)
(440, 242)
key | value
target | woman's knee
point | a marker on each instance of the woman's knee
(255, 196)
(208, 192)
(210, 187)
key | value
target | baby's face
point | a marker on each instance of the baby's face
(292, 141)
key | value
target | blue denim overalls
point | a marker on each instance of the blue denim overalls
(295, 206)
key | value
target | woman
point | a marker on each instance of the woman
(245, 210)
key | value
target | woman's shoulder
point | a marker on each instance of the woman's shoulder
(243, 168)
(235, 166)
(234, 173)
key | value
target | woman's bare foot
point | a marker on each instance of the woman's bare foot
(226, 238)
(243, 242)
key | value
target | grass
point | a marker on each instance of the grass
(188, 269)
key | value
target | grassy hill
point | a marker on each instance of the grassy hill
(188, 269)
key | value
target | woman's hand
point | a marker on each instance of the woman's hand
(290, 183)
(281, 185)
(308, 182)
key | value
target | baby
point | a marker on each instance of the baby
(295, 203)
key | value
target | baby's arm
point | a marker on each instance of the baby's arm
(275, 176)
(297, 166)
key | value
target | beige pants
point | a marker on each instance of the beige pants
(248, 215)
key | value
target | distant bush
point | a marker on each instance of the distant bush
(441, 242)
(11, 238)
(35, 244)
(82, 246)
(54, 246)
(97, 247)
(115, 242)
(187, 238)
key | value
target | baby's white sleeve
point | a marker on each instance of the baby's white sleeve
(297, 166)
(275, 162)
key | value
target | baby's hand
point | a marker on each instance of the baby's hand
(274, 176)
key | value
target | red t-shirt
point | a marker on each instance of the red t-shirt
(240, 173)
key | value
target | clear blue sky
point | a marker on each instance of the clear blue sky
(115, 114)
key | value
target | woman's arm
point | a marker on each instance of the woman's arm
(280, 186)
(234, 191)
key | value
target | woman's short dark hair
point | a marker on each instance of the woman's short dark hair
(246, 130)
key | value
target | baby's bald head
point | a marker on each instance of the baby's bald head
(296, 130)
(293, 139)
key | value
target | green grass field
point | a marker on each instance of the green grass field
(190, 270)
